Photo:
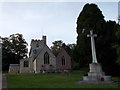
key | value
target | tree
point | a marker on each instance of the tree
(6, 54)
(18, 45)
(87, 20)
(14, 48)
(91, 18)
(56, 46)
(106, 54)
(69, 48)
(117, 44)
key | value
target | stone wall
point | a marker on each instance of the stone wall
(28, 69)
(14, 68)
(40, 61)
(59, 65)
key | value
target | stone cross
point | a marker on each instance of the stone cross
(94, 59)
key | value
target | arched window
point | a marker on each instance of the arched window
(63, 60)
(46, 58)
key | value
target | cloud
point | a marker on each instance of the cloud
(56, 20)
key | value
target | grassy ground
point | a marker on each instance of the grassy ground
(51, 81)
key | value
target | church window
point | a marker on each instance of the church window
(63, 60)
(37, 45)
(26, 63)
(46, 58)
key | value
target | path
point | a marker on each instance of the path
(0, 81)
(4, 81)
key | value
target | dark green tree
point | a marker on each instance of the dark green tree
(91, 18)
(69, 48)
(56, 46)
(18, 45)
(117, 44)
(105, 42)
(14, 48)
(7, 56)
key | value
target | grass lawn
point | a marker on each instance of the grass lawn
(54, 80)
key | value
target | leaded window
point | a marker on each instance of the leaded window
(63, 60)
(46, 58)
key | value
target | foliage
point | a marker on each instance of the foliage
(18, 45)
(106, 54)
(87, 20)
(117, 44)
(91, 18)
(58, 44)
(14, 48)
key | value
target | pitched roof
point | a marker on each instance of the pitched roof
(62, 50)
(36, 52)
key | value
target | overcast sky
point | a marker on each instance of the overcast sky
(56, 20)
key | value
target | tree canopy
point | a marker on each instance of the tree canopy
(91, 18)
(14, 48)
(58, 44)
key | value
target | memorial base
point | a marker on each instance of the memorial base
(96, 74)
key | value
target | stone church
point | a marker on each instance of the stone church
(41, 59)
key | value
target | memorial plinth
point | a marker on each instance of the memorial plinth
(96, 73)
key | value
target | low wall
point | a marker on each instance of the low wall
(14, 68)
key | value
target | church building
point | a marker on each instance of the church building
(41, 59)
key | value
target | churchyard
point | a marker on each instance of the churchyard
(75, 79)
(54, 80)
(40, 69)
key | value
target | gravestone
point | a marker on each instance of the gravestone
(96, 74)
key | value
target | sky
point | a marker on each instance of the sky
(56, 20)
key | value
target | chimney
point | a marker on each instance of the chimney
(44, 39)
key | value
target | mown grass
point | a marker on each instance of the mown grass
(54, 80)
